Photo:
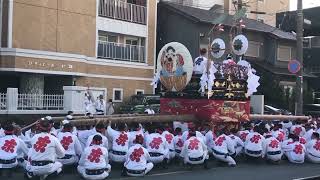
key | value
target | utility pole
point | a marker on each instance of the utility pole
(299, 80)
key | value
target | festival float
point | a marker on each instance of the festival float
(220, 94)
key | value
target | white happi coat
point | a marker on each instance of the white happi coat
(199, 135)
(45, 147)
(170, 141)
(280, 135)
(194, 148)
(297, 130)
(1, 132)
(104, 140)
(313, 151)
(243, 135)
(273, 149)
(28, 135)
(120, 143)
(178, 144)
(94, 157)
(254, 145)
(295, 152)
(137, 159)
(72, 147)
(156, 143)
(238, 144)
(224, 147)
(210, 137)
(308, 135)
(133, 135)
(10, 147)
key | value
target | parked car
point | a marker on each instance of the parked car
(274, 111)
(139, 103)
(311, 110)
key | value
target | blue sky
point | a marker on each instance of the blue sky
(306, 4)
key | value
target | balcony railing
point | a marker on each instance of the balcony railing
(40, 102)
(3, 101)
(117, 9)
(121, 52)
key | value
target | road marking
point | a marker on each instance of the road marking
(305, 178)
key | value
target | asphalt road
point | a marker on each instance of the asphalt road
(243, 171)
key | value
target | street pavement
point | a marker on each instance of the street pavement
(254, 170)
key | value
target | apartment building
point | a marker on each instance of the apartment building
(48, 44)
(268, 8)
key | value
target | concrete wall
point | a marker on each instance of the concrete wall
(55, 25)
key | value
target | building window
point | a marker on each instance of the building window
(139, 91)
(117, 94)
(254, 49)
(121, 47)
(284, 53)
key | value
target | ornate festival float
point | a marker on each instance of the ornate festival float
(219, 93)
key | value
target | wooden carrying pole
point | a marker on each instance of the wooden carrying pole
(141, 118)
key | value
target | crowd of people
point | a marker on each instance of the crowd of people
(48, 147)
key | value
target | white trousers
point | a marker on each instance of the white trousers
(239, 150)
(253, 155)
(117, 158)
(149, 166)
(293, 160)
(205, 156)
(82, 172)
(223, 158)
(274, 158)
(172, 154)
(312, 158)
(44, 170)
(73, 160)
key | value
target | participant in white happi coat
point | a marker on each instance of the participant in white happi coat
(10, 148)
(313, 148)
(2, 132)
(94, 161)
(137, 160)
(194, 151)
(210, 138)
(100, 105)
(157, 146)
(169, 139)
(178, 142)
(273, 148)
(135, 132)
(100, 130)
(89, 104)
(45, 150)
(278, 132)
(120, 142)
(298, 129)
(224, 148)
(244, 133)
(200, 63)
(83, 133)
(295, 151)
(255, 143)
(309, 132)
(29, 135)
(71, 145)
(237, 142)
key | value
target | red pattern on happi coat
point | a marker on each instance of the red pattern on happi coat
(274, 144)
(255, 139)
(122, 139)
(136, 154)
(66, 141)
(95, 155)
(169, 138)
(41, 144)
(9, 146)
(317, 145)
(219, 141)
(155, 143)
(298, 149)
(194, 144)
